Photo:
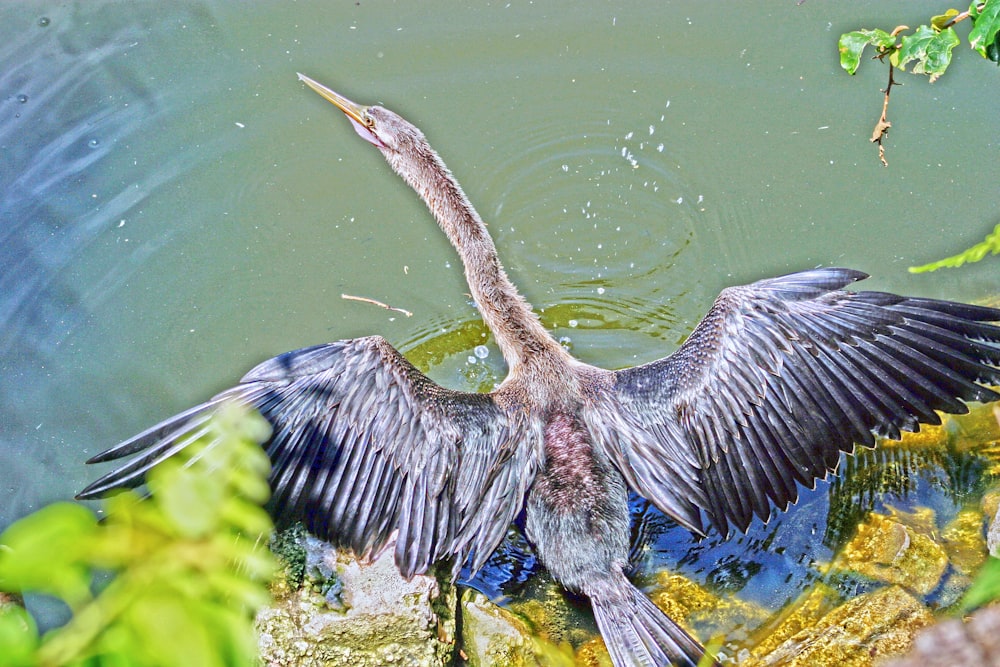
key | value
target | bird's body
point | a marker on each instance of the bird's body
(779, 378)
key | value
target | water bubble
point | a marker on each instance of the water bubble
(481, 351)
(573, 324)
(22, 98)
(44, 21)
(94, 143)
(471, 359)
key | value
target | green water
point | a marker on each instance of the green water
(179, 207)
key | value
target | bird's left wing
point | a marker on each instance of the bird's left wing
(781, 377)
(363, 445)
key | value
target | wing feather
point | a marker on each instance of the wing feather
(781, 377)
(364, 445)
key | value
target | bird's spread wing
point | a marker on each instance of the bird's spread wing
(779, 378)
(363, 444)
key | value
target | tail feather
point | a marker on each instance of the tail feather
(638, 634)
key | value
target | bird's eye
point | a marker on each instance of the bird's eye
(368, 121)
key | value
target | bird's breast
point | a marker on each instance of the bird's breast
(571, 473)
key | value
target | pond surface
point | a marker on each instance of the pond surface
(177, 206)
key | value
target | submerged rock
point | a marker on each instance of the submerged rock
(799, 617)
(492, 635)
(706, 614)
(855, 634)
(887, 549)
(964, 542)
(352, 614)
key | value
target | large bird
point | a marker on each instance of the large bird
(780, 377)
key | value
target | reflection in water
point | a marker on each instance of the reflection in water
(934, 466)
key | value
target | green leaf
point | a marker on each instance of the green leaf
(235, 589)
(250, 484)
(985, 588)
(991, 244)
(170, 630)
(236, 639)
(930, 48)
(18, 638)
(852, 44)
(986, 25)
(45, 552)
(191, 502)
(251, 520)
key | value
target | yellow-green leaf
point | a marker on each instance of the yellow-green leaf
(18, 638)
(45, 552)
(991, 244)
(940, 21)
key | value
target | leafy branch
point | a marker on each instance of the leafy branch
(928, 48)
(190, 563)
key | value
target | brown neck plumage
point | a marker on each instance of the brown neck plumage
(515, 326)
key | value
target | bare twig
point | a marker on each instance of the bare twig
(882, 126)
(957, 18)
(365, 299)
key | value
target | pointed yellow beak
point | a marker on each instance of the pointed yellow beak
(354, 111)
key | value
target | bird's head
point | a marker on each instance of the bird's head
(380, 127)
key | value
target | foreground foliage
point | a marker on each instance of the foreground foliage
(189, 564)
(989, 246)
(985, 589)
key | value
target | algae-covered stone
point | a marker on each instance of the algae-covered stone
(723, 621)
(930, 436)
(492, 635)
(375, 617)
(964, 542)
(855, 634)
(540, 630)
(698, 610)
(803, 614)
(593, 654)
(884, 549)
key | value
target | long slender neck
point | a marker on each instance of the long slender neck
(515, 326)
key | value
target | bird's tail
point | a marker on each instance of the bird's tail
(638, 634)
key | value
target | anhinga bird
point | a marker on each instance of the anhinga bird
(780, 377)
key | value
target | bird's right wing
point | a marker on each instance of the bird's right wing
(780, 377)
(363, 445)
